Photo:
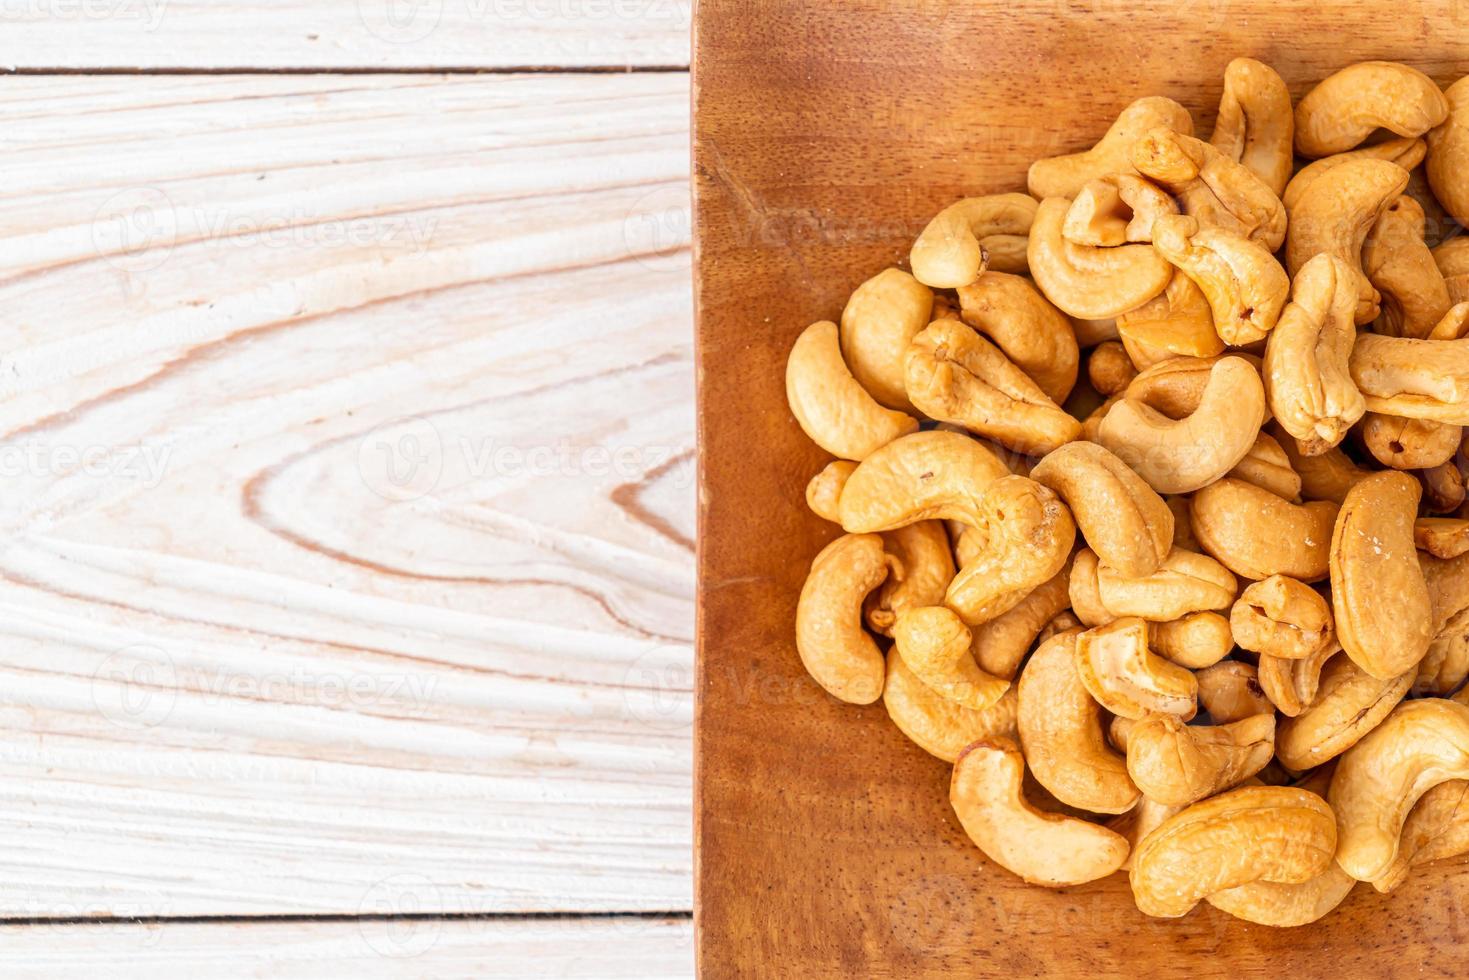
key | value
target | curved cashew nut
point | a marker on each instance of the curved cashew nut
(837, 652)
(1127, 678)
(1195, 641)
(1282, 617)
(1218, 192)
(1421, 744)
(1115, 209)
(920, 568)
(1256, 123)
(971, 235)
(1452, 259)
(1027, 533)
(1349, 106)
(1228, 516)
(1267, 466)
(1042, 848)
(955, 375)
(1446, 664)
(1406, 153)
(1064, 176)
(1085, 596)
(921, 476)
(1326, 475)
(1409, 444)
(1372, 555)
(1230, 691)
(938, 726)
(1182, 456)
(1126, 523)
(935, 645)
(1291, 685)
(1109, 369)
(832, 408)
(1448, 154)
(1177, 322)
(1254, 833)
(1031, 332)
(1307, 373)
(1437, 827)
(1448, 587)
(1176, 386)
(1086, 281)
(1416, 379)
(1398, 263)
(1185, 583)
(1061, 733)
(1349, 703)
(1141, 820)
(1177, 764)
(878, 323)
(1443, 488)
(1334, 213)
(1441, 537)
(825, 489)
(1002, 643)
(1245, 286)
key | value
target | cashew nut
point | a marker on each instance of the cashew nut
(1085, 595)
(1406, 153)
(1448, 154)
(1001, 643)
(935, 644)
(1061, 733)
(922, 476)
(1409, 444)
(1178, 321)
(1116, 209)
(1347, 107)
(1027, 537)
(1452, 259)
(1042, 848)
(1186, 582)
(1124, 521)
(880, 320)
(1064, 176)
(938, 726)
(1182, 456)
(1443, 488)
(1446, 664)
(1349, 703)
(1324, 476)
(837, 652)
(1275, 834)
(1031, 332)
(1416, 379)
(1372, 559)
(970, 235)
(1398, 263)
(1256, 124)
(1245, 286)
(1441, 537)
(1281, 617)
(1127, 678)
(1109, 369)
(1176, 386)
(1291, 685)
(1212, 188)
(1141, 820)
(1267, 466)
(920, 568)
(955, 375)
(825, 489)
(1177, 764)
(1229, 517)
(1437, 828)
(1230, 691)
(832, 408)
(1307, 374)
(1195, 641)
(1087, 281)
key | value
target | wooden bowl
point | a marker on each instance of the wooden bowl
(825, 135)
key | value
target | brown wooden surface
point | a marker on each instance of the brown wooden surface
(825, 135)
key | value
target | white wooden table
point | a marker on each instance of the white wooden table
(347, 560)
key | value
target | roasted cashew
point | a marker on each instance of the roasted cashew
(1443, 488)
(1127, 678)
(880, 320)
(935, 644)
(1409, 444)
(971, 235)
(1334, 214)
(955, 375)
(1406, 153)
(1185, 583)
(1183, 523)
(1229, 516)
(837, 652)
(1218, 192)
(831, 407)
(1307, 358)
(1141, 820)
(1452, 259)
(1031, 332)
(1195, 641)
(1064, 176)
(825, 489)
(1090, 333)
(935, 724)
(1349, 703)
(1002, 643)
(1116, 209)
(1061, 733)
(1267, 466)
(1254, 833)
(1123, 520)
(1048, 849)
(1448, 154)
(1325, 476)
(1291, 685)
(1347, 107)
(1230, 691)
(1176, 386)
(1416, 379)
(1446, 664)
(1245, 286)
(1177, 764)
(1182, 456)
(1087, 281)
(1441, 537)
(1372, 559)
(1437, 828)
(922, 476)
(1177, 322)
(1109, 369)
(920, 568)
(1256, 124)
(1398, 263)
(1027, 535)
(1282, 617)
(1448, 587)
(1420, 745)
(1085, 595)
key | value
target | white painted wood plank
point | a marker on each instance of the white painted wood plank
(325, 570)
(343, 34)
(645, 949)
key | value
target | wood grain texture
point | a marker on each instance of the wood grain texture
(338, 35)
(454, 949)
(328, 583)
(826, 135)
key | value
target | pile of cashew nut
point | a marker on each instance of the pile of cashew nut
(1152, 491)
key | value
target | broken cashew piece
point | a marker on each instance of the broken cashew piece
(1031, 332)
(938, 726)
(831, 407)
(1048, 849)
(1122, 518)
(1281, 617)
(1065, 176)
(837, 652)
(922, 476)
(920, 568)
(1087, 281)
(1218, 192)
(1230, 691)
(935, 644)
(880, 320)
(1116, 209)
(1228, 517)
(970, 235)
(1441, 537)
(1177, 322)
(1256, 123)
(1349, 703)
(1177, 764)
(1027, 534)
(1347, 107)
(1246, 288)
(1127, 678)
(1448, 154)
(1195, 641)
